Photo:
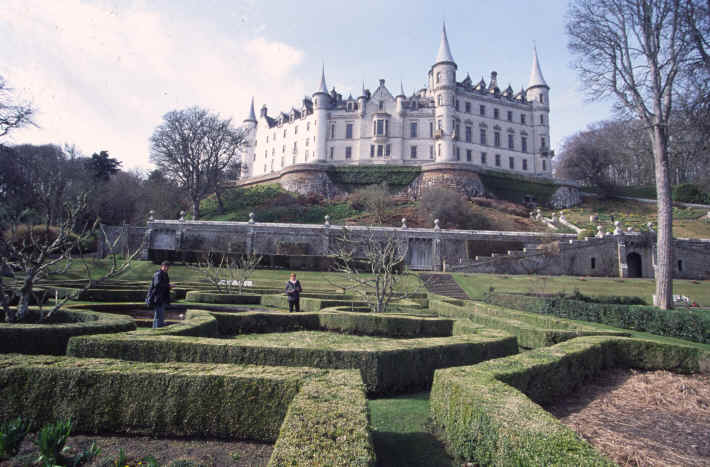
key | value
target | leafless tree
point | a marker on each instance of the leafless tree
(28, 252)
(377, 199)
(229, 273)
(634, 51)
(193, 147)
(12, 113)
(586, 157)
(371, 266)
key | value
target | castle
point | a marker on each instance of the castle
(449, 121)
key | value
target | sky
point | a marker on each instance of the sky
(102, 74)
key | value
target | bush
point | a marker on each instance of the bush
(689, 193)
(51, 440)
(375, 198)
(586, 233)
(11, 435)
(451, 208)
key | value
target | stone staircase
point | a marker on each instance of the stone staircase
(443, 284)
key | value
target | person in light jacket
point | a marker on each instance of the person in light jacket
(293, 290)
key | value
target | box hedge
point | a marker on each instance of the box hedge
(489, 413)
(531, 330)
(234, 299)
(387, 366)
(309, 304)
(51, 337)
(316, 417)
(683, 324)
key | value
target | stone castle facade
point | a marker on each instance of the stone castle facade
(473, 125)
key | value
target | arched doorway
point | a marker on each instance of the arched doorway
(633, 262)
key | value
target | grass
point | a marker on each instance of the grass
(402, 434)
(476, 285)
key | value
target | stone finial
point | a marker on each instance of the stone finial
(436, 224)
(600, 231)
(629, 229)
(562, 217)
(182, 216)
(251, 217)
(404, 223)
(617, 228)
(151, 215)
(326, 224)
(554, 218)
(593, 218)
(650, 226)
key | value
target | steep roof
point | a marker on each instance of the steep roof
(444, 54)
(536, 78)
(252, 115)
(322, 88)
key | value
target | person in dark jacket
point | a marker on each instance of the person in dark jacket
(160, 294)
(293, 290)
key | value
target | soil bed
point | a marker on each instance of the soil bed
(642, 418)
(164, 451)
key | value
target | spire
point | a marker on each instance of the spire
(444, 54)
(252, 115)
(401, 89)
(323, 88)
(536, 78)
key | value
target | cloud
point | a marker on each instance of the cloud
(102, 77)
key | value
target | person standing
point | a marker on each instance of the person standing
(160, 294)
(293, 290)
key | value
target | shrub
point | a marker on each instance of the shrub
(375, 198)
(586, 233)
(451, 208)
(11, 435)
(51, 440)
(689, 193)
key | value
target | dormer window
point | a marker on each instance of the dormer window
(382, 105)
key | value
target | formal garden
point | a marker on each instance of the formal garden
(234, 379)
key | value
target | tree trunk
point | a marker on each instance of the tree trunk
(23, 307)
(195, 209)
(220, 203)
(664, 243)
(5, 302)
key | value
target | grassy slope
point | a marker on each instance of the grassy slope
(476, 285)
(402, 434)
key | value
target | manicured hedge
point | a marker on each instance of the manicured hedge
(489, 413)
(308, 304)
(531, 330)
(682, 324)
(369, 324)
(209, 297)
(316, 417)
(51, 338)
(386, 367)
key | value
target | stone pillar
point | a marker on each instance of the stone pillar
(621, 251)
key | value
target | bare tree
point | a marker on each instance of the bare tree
(12, 114)
(193, 147)
(377, 199)
(634, 50)
(371, 266)
(586, 157)
(229, 273)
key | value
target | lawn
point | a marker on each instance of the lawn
(402, 433)
(476, 285)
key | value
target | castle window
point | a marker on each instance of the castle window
(482, 110)
(413, 129)
(468, 134)
(542, 119)
(594, 263)
(379, 150)
(524, 143)
(294, 160)
(273, 152)
(282, 161)
(457, 105)
(458, 130)
(544, 165)
(295, 147)
(431, 129)
(438, 124)
(295, 130)
(522, 119)
(542, 99)
(497, 160)
(332, 131)
(372, 150)
(511, 163)
(468, 155)
(511, 142)
(438, 76)
(348, 152)
(283, 148)
(525, 164)
(285, 130)
(439, 100)
(458, 153)
(496, 114)
(308, 126)
(412, 152)
(484, 157)
(510, 115)
(467, 106)
(267, 138)
(680, 265)
(307, 153)
(431, 152)
(388, 150)
(266, 154)
(496, 138)
(382, 105)
(349, 130)
(350, 106)
(438, 150)
(483, 136)
(542, 143)
(332, 152)
(264, 168)
(307, 141)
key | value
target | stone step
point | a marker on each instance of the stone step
(443, 284)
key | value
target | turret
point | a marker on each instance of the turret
(538, 94)
(400, 99)
(250, 124)
(443, 74)
(538, 89)
(321, 104)
(362, 100)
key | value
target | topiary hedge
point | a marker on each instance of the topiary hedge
(683, 324)
(309, 304)
(210, 297)
(532, 331)
(51, 338)
(386, 365)
(316, 417)
(489, 413)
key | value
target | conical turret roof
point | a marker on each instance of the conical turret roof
(536, 78)
(322, 88)
(444, 54)
(252, 115)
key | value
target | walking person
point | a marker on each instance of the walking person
(159, 294)
(293, 290)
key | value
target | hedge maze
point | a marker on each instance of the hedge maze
(240, 367)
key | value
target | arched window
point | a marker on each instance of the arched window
(542, 98)
(439, 100)
(438, 76)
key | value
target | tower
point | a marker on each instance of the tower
(321, 104)
(250, 124)
(443, 87)
(538, 94)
